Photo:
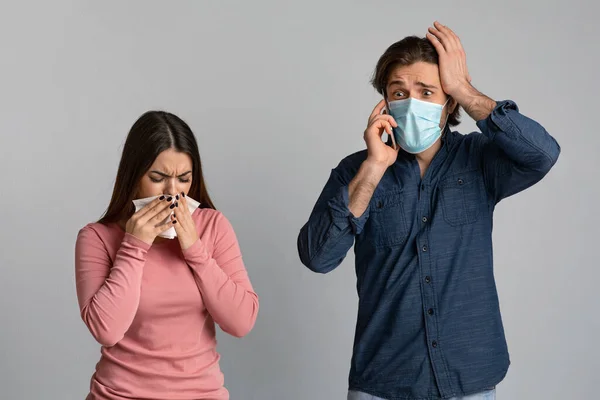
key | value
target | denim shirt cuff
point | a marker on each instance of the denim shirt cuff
(341, 214)
(499, 120)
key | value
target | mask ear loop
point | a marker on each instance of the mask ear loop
(447, 116)
(387, 109)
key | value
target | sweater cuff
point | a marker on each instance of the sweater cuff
(135, 242)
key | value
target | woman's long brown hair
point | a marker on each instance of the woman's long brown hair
(153, 133)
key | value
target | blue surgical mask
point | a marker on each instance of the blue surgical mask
(418, 123)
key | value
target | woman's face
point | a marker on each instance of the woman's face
(170, 174)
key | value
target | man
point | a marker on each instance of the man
(419, 212)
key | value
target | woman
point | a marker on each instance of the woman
(152, 302)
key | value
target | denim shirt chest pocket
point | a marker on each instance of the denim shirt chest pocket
(386, 226)
(462, 196)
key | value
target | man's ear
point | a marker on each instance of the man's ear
(452, 104)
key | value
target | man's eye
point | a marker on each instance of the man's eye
(399, 94)
(428, 93)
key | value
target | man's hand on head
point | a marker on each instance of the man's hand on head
(454, 74)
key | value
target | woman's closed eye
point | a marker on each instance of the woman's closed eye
(159, 180)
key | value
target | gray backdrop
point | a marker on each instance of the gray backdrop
(277, 94)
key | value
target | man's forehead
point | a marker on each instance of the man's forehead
(414, 81)
(422, 72)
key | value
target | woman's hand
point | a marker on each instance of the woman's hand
(148, 223)
(184, 224)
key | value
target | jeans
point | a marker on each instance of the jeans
(487, 395)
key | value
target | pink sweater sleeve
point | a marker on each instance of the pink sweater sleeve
(223, 281)
(108, 294)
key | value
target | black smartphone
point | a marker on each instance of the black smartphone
(387, 111)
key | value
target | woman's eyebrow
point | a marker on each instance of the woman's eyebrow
(168, 176)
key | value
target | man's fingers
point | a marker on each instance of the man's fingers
(377, 110)
(394, 143)
(374, 135)
(441, 37)
(381, 123)
(452, 37)
(387, 127)
(384, 117)
(436, 43)
(449, 32)
(446, 36)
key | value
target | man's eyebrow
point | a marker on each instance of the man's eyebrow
(168, 176)
(419, 83)
(396, 82)
(426, 86)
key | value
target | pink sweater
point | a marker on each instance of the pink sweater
(154, 308)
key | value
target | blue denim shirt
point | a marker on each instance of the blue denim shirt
(429, 323)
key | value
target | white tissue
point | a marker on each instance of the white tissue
(169, 233)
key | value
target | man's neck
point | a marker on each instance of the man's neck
(424, 158)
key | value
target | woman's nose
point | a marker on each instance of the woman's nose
(171, 187)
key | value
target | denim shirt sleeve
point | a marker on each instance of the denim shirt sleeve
(518, 151)
(325, 239)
